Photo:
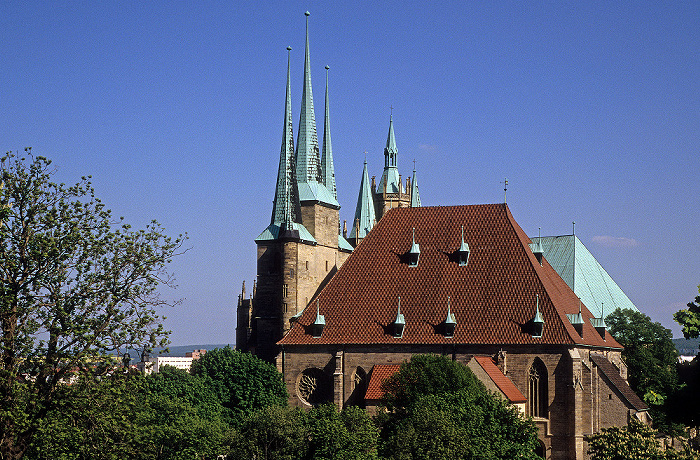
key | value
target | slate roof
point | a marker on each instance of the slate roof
(493, 298)
(380, 372)
(614, 377)
(582, 272)
(503, 383)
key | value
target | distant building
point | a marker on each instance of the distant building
(154, 364)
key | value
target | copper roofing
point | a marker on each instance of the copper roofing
(380, 372)
(614, 377)
(503, 383)
(493, 297)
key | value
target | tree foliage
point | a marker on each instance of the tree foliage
(650, 356)
(72, 288)
(636, 441)
(282, 433)
(690, 318)
(241, 382)
(440, 410)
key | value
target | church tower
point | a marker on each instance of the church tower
(301, 248)
(391, 193)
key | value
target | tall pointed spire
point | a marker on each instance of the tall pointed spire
(285, 208)
(390, 177)
(327, 172)
(415, 196)
(308, 171)
(364, 212)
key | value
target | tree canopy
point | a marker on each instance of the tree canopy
(690, 318)
(72, 289)
(241, 381)
(440, 410)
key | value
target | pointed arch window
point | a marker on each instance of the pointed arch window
(538, 394)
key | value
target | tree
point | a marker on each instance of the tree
(72, 289)
(636, 441)
(690, 318)
(346, 435)
(440, 410)
(651, 358)
(241, 381)
(271, 433)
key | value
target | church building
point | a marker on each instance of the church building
(339, 313)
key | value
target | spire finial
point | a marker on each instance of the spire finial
(573, 228)
(414, 165)
(505, 190)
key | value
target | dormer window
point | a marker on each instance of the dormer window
(463, 252)
(537, 322)
(319, 324)
(450, 322)
(576, 320)
(399, 323)
(414, 253)
(537, 249)
(600, 326)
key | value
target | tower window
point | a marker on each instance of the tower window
(307, 264)
(326, 265)
(284, 306)
(284, 291)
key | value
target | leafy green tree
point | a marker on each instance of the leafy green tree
(636, 441)
(179, 418)
(271, 433)
(89, 419)
(651, 358)
(346, 435)
(690, 318)
(440, 410)
(241, 381)
(71, 289)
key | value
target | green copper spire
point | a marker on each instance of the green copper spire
(364, 212)
(286, 212)
(327, 171)
(415, 196)
(308, 170)
(285, 208)
(390, 177)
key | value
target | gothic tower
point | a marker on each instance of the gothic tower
(391, 193)
(301, 248)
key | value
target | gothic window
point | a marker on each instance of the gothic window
(538, 397)
(314, 387)
(284, 290)
(359, 387)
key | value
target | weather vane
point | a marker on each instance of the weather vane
(505, 190)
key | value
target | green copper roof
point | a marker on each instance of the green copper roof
(286, 207)
(293, 231)
(308, 170)
(582, 272)
(327, 171)
(415, 196)
(365, 217)
(390, 176)
(343, 244)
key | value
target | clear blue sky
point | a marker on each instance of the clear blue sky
(590, 109)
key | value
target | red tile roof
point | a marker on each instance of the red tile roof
(492, 298)
(616, 380)
(380, 372)
(502, 382)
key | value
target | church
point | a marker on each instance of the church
(338, 312)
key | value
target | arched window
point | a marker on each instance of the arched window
(538, 397)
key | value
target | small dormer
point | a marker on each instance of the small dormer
(537, 322)
(536, 247)
(319, 324)
(576, 320)
(450, 322)
(600, 326)
(414, 253)
(463, 252)
(399, 323)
